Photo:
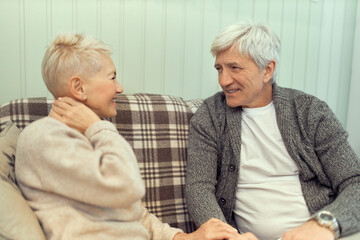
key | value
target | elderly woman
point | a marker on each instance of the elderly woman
(79, 175)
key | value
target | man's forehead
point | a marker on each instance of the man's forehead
(227, 57)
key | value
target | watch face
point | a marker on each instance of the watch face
(326, 217)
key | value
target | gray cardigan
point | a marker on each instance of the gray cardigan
(315, 139)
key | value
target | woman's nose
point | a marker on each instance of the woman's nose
(119, 88)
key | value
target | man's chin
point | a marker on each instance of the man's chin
(232, 103)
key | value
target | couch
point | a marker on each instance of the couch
(156, 126)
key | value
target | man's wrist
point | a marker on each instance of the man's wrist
(327, 219)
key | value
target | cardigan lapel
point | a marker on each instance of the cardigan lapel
(285, 119)
(282, 103)
(233, 128)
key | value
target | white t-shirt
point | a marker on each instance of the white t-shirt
(269, 200)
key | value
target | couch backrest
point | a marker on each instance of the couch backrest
(156, 126)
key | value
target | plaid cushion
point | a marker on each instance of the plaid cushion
(24, 111)
(156, 126)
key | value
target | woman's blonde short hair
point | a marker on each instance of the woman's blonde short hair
(69, 55)
(256, 41)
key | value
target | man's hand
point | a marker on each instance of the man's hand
(310, 230)
(215, 229)
(73, 113)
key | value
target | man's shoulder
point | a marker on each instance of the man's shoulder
(218, 97)
(301, 104)
(212, 105)
(212, 109)
(293, 95)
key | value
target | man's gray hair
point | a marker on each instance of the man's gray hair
(256, 41)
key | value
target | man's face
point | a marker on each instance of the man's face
(243, 83)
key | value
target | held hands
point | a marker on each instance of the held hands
(215, 229)
(73, 113)
(310, 230)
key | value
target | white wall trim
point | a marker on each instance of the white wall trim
(353, 120)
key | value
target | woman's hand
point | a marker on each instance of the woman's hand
(73, 113)
(215, 229)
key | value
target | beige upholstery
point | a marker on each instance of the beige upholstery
(17, 221)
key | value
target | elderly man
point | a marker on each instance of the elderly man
(269, 160)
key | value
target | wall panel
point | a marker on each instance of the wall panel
(229, 13)
(300, 46)
(354, 99)
(347, 53)
(10, 51)
(245, 9)
(287, 38)
(83, 23)
(35, 33)
(133, 69)
(174, 47)
(111, 30)
(209, 83)
(337, 31)
(163, 46)
(312, 51)
(260, 10)
(325, 49)
(63, 15)
(154, 46)
(194, 21)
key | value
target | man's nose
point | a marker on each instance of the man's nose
(225, 78)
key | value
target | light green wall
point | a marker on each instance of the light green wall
(162, 46)
(354, 99)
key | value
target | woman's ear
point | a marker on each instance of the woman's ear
(269, 70)
(77, 88)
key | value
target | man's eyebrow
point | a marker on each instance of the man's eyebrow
(227, 64)
(232, 64)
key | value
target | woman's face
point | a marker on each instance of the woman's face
(102, 88)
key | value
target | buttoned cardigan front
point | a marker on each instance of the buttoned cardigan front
(313, 136)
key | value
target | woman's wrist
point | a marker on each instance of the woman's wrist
(182, 236)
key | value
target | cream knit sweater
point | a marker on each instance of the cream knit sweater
(84, 186)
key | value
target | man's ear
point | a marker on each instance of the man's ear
(269, 70)
(77, 88)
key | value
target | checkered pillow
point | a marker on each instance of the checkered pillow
(156, 126)
(24, 111)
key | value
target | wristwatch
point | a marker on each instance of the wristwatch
(328, 220)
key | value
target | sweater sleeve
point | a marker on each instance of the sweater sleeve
(341, 165)
(157, 229)
(201, 174)
(99, 168)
